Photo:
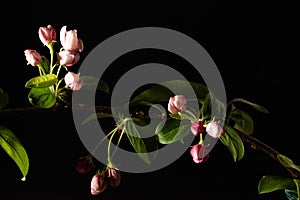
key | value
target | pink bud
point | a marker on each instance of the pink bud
(68, 57)
(214, 129)
(73, 81)
(47, 34)
(33, 57)
(197, 128)
(84, 164)
(114, 177)
(199, 153)
(69, 40)
(98, 184)
(177, 104)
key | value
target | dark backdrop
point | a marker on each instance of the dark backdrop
(255, 47)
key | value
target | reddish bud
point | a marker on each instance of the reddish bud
(199, 153)
(114, 177)
(98, 183)
(197, 128)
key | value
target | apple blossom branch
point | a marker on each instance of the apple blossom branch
(254, 143)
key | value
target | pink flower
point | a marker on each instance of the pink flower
(68, 57)
(33, 57)
(98, 183)
(214, 129)
(177, 104)
(197, 128)
(114, 177)
(69, 40)
(84, 164)
(73, 81)
(199, 153)
(47, 34)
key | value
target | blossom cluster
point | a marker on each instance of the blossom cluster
(66, 57)
(178, 104)
(102, 178)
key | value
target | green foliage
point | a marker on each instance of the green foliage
(270, 183)
(11, 143)
(42, 81)
(172, 130)
(287, 162)
(254, 105)
(4, 98)
(14, 148)
(138, 143)
(233, 142)
(243, 121)
(162, 92)
(42, 97)
(91, 81)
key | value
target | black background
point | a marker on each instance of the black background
(255, 47)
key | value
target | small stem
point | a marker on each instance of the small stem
(52, 56)
(58, 70)
(269, 151)
(100, 142)
(121, 135)
(57, 87)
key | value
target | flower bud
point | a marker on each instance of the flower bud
(98, 183)
(84, 164)
(114, 177)
(33, 57)
(47, 34)
(214, 129)
(177, 104)
(197, 128)
(73, 81)
(69, 40)
(199, 153)
(68, 57)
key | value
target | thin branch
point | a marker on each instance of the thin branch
(253, 142)
(269, 151)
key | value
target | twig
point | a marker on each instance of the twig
(269, 151)
(253, 142)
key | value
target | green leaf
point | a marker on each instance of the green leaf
(271, 183)
(287, 162)
(91, 82)
(45, 64)
(172, 131)
(43, 81)
(291, 195)
(254, 105)
(220, 108)
(4, 98)
(96, 116)
(297, 183)
(41, 97)
(243, 121)
(136, 141)
(162, 92)
(12, 145)
(233, 142)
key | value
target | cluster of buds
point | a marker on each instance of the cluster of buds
(100, 181)
(199, 152)
(67, 56)
(108, 176)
